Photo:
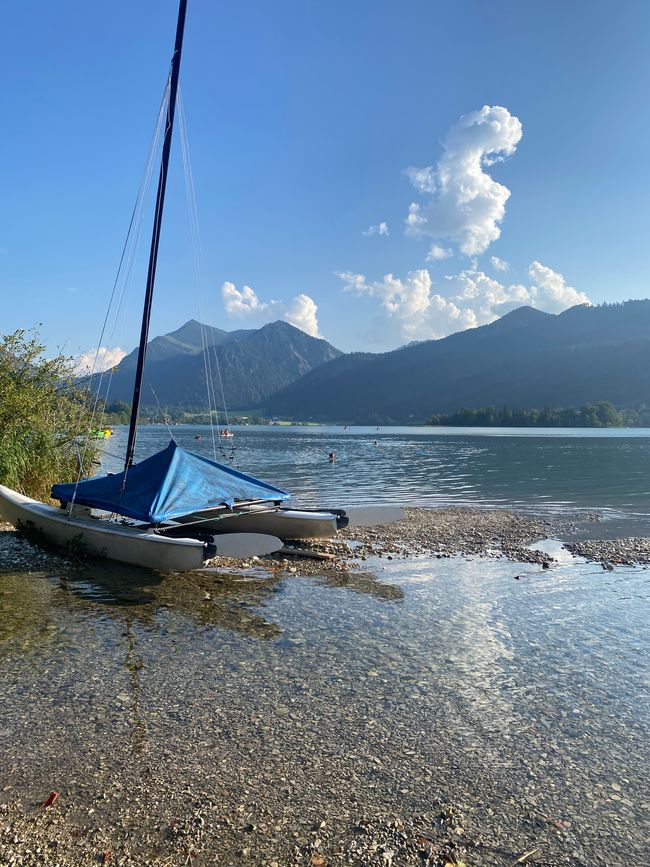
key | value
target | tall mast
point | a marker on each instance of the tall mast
(155, 237)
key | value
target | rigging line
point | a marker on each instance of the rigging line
(198, 255)
(207, 374)
(162, 414)
(212, 345)
(128, 253)
(135, 217)
(120, 313)
(204, 342)
(195, 238)
(111, 454)
(198, 269)
(130, 245)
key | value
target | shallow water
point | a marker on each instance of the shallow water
(443, 678)
(544, 472)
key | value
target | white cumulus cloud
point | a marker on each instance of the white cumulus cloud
(552, 289)
(302, 313)
(379, 229)
(499, 264)
(96, 360)
(241, 302)
(436, 253)
(423, 180)
(466, 205)
(415, 309)
(244, 303)
(414, 220)
(418, 313)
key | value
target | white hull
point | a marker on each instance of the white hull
(283, 523)
(246, 544)
(100, 538)
(374, 516)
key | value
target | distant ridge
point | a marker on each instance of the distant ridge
(186, 340)
(253, 363)
(526, 359)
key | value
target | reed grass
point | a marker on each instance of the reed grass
(44, 418)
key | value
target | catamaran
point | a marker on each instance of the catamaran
(175, 509)
(137, 507)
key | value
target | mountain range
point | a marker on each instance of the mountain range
(251, 364)
(527, 359)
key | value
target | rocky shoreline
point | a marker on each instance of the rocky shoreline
(437, 533)
(619, 552)
(317, 783)
(453, 835)
(449, 532)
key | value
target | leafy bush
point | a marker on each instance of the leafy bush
(44, 418)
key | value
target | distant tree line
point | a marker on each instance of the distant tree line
(601, 414)
(119, 412)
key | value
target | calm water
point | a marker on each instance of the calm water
(539, 471)
(442, 679)
(526, 701)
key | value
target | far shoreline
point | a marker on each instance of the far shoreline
(413, 428)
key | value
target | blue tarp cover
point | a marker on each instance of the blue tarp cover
(171, 483)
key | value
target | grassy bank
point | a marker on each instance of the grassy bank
(44, 418)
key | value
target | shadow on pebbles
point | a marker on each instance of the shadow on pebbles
(323, 801)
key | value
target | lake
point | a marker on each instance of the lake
(268, 717)
(536, 470)
(247, 710)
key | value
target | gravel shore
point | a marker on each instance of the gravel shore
(349, 774)
(620, 552)
(203, 833)
(433, 532)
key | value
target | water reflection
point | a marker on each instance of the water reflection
(25, 614)
(203, 600)
(529, 692)
(365, 583)
(133, 663)
(209, 599)
(542, 473)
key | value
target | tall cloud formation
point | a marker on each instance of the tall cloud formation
(301, 311)
(466, 205)
(417, 312)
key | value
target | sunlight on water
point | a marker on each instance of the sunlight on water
(548, 471)
(525, 692)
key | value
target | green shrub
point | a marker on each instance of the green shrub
(44, 418)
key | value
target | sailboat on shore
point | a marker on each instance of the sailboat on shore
(139, 506)
(175, 509)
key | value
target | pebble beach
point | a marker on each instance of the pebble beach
(402, 701)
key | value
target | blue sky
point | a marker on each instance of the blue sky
(303, 119)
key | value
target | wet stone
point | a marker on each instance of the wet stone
(422, 710)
